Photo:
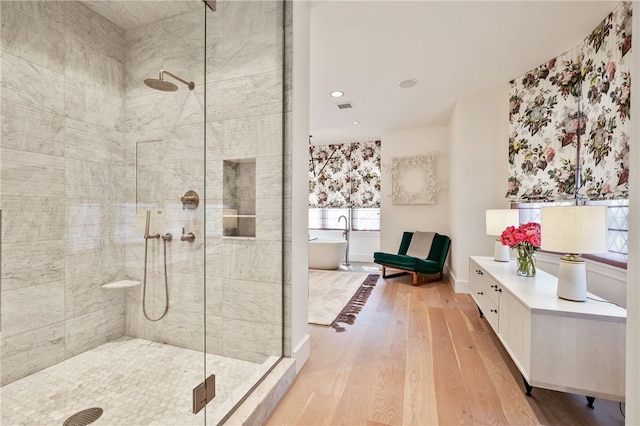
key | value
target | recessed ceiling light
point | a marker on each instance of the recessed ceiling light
(336, 94)
(410, 82)
(356, 122)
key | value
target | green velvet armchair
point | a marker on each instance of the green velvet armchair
(433, 264)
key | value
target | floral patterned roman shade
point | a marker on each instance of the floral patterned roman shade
(573, 113)
(345, 175)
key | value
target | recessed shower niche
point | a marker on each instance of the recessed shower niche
(239, 198)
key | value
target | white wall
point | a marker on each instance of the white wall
(395, 219)
(299, 123)
(479, 172)
(633, 271)
(362, 244)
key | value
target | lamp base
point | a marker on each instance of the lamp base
(500, 252)
(572, 278)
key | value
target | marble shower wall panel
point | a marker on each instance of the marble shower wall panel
(244, 107)
(95, 187)
(86, 26)
(30, 84)
(246, 188)
(229, 187)
(250, 340)
(166, 130)
(94, 179)
(34, 32)
(32, 351)
(32, 129)
(252, 301)
(62, 183)
(247, 96)
(245, 18)
(287, 169)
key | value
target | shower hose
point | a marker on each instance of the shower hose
(144, 282)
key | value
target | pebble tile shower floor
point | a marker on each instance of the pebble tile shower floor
(135, 382)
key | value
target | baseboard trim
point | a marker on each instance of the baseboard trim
(458, 286)
(301, 353)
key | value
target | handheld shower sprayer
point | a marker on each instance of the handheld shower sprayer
(146, 228)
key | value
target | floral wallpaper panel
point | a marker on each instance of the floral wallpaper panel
(345, 175)
(543, 118)
(582, 95)
(604, 150)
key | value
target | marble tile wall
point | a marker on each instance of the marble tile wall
(62, 169)
(165, 158)
(244, 114)
(244, 121)
(74, 111)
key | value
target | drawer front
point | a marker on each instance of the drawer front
(483, 291)
(491, 313)
(493, 288)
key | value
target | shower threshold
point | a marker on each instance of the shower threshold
(135, 381)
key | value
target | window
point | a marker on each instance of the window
(618, 226)
(364, 219)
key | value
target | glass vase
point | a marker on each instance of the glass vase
(526, 262)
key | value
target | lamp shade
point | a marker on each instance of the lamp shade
(574, 229)
(497, 220)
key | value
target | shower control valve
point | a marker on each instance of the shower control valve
(190, 200)
(167, 237)
(190, 237)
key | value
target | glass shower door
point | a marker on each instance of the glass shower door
(103, 265)
(120, 291)
(244, 192)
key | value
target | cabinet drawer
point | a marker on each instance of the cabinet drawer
(482, 282)
(483, 291)
(493, 289)
(491, 313)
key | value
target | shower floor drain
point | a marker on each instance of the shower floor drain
(84, 417)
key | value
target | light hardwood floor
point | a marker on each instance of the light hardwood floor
(422, 356)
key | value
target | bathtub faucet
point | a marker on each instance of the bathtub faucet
(345, 233)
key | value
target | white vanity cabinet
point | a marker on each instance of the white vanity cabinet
(576, 347)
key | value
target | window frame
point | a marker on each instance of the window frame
(350, 212)
(618, 260)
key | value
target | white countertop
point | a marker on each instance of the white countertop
(539, 293)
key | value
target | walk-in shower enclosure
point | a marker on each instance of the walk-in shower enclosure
(88, 152)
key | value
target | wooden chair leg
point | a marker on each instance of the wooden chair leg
(384, 271)
(415, 278)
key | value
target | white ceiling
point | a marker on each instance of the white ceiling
(455, 48)
(365, 48)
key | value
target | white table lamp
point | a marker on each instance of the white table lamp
(574, 230)
(497, 220)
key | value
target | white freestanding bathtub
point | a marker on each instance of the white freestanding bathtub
(325, 253)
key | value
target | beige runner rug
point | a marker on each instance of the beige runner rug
(330, 292)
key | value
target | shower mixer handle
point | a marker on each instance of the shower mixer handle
(190, 237)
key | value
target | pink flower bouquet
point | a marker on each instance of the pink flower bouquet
(526, 239)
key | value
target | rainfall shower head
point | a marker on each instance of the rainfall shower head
(166, 86)
(158, 84)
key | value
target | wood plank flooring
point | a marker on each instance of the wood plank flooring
(422, 356)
